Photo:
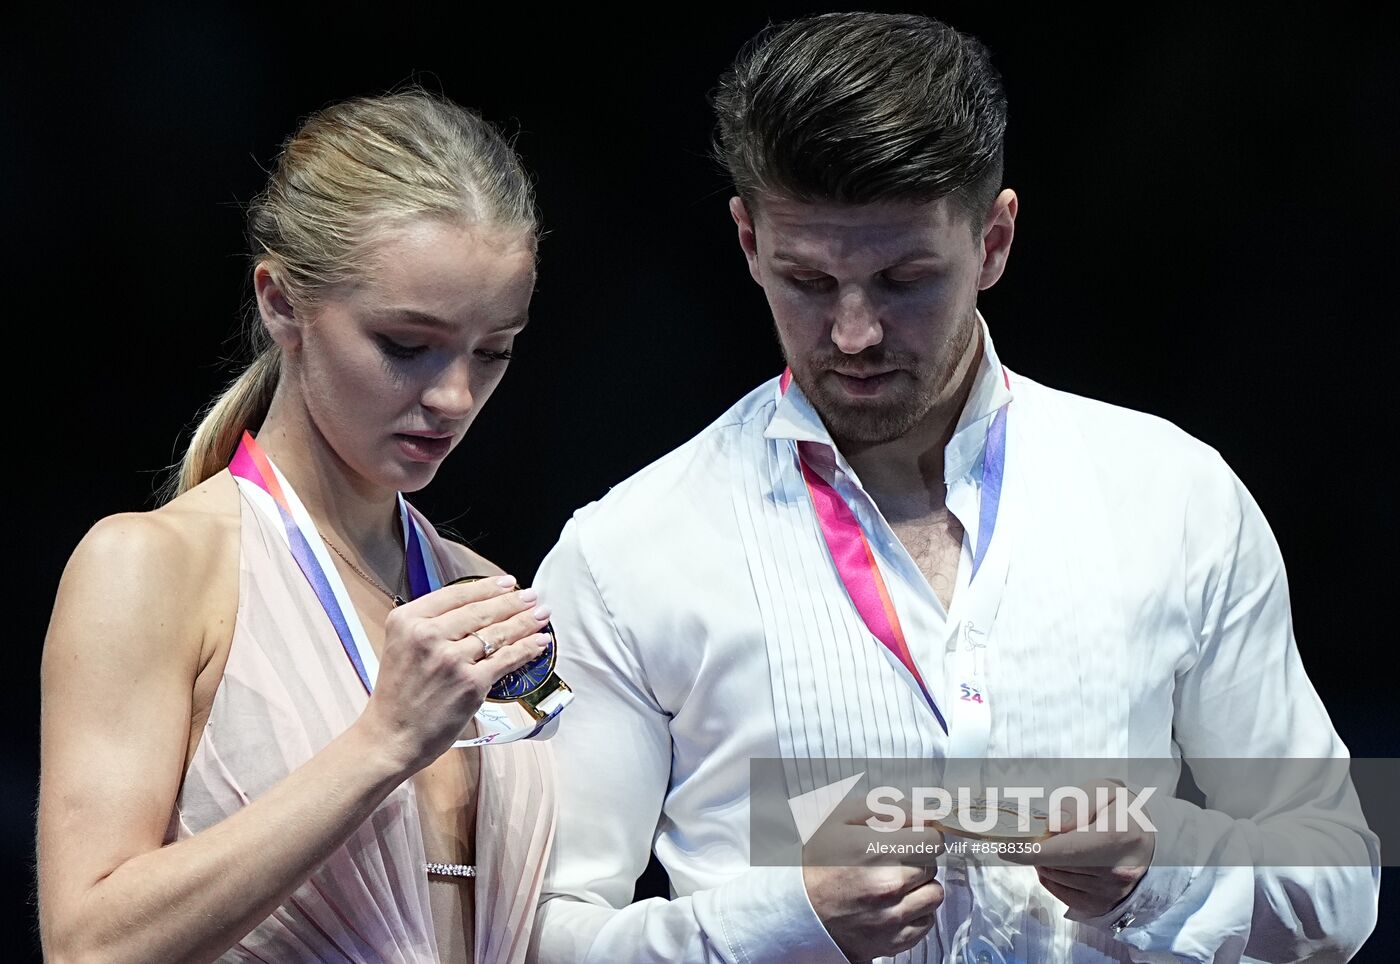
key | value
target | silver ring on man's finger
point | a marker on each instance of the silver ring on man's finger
(486, 648)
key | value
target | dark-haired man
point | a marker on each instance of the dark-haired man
(903, 549)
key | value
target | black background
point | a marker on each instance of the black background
(1206, 233)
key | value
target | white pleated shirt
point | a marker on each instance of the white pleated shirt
(701, 623)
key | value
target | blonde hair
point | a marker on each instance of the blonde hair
(349, 171)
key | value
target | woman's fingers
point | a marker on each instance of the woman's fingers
(502, 634)
(499, 621)
(510, 658)
(434, 671)
(455, 595)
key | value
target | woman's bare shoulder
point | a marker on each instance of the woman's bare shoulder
(170, 561)
(184, 532)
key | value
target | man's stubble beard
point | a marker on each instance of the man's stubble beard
(875, 422)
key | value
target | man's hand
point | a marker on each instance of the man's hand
(1092, 870)
(874, 908)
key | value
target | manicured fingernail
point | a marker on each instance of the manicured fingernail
(541, 614)
(505, 582)
(527, 596)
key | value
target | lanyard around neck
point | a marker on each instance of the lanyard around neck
(855, 559)
(268, 490)
(251, 466)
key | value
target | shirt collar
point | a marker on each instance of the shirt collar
(794, 417)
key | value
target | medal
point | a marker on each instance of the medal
(540, 691)
(535, 686)
(1002, 825)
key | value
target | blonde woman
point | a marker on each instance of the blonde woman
(251, 695)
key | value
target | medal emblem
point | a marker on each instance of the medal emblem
(1006, 827)
(533, 684)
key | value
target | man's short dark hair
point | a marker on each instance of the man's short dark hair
(860, 107)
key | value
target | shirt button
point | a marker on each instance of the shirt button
(984, 958)
(1123, 923)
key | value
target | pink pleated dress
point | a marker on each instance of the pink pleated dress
(289, 689)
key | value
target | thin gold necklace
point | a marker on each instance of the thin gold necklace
(397, 598)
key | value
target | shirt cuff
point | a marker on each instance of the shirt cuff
(767, 916)
(1163, 884)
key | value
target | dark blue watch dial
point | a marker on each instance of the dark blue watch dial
(519, 683)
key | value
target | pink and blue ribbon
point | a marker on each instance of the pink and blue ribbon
(250, 462)
(855, 560)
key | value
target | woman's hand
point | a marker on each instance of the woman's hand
(122, 657)
(434, 674)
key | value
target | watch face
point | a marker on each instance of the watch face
(520, 683)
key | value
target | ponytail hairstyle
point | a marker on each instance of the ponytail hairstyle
(349, 171)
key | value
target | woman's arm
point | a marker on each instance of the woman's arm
(118, 672)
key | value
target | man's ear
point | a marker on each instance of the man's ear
(996, 239)
(276, 310)
(748, 241)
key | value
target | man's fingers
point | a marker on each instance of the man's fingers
(854, 810)
(1079, 848)
(918, 877)
(1071, 817)
(1069, 847)
(1069, 874)
(1069, 879)
(1033, 852)
(1066, 895)
(848, 845)
(1094, 899)
(921, 902)
(1102, 887)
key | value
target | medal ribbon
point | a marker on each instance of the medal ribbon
(251, 464)
(271, 494)
(854, 558)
